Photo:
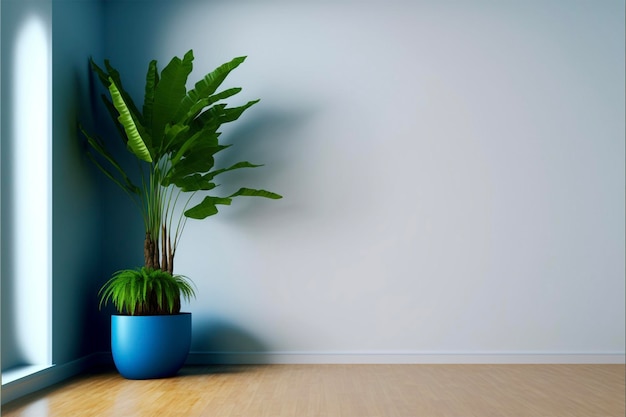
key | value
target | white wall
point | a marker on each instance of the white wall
(453, 173)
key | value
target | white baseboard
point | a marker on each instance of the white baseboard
(244, 358)
(49, 376)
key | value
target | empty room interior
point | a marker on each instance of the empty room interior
(441, 222)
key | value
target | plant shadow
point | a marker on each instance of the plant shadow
(198, 370)
(272, 138)
(219, 347)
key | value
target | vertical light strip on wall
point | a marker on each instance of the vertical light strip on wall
(32, 197)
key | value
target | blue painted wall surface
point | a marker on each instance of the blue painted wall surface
(77, 215)
(77, 251)
(453, 173)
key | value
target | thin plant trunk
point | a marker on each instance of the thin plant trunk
(170, 256)
(151, 252)
(167, 254)
(164, 259)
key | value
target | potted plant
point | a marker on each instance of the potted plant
(174, 139)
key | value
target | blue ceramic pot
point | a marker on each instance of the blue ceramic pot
(147, 347)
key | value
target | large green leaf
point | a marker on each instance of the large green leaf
(96, 144)
(104, 79)
(114, 115)
(195, 182)
(208, 85)
(200, 160)
(205, 125)
(232, 114)
(135, 141)
(208, 207)
(115, 75)
(249, 192)
(152, 79)
(174, 133)
(200, 105)
(168, 95)
(185, 147)
(238, 165)
(195, 163)
(102, 75)
(219, 114)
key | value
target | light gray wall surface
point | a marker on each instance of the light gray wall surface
(453, 173)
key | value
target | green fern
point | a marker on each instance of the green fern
(145, 291)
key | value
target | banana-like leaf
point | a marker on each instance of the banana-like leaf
(173, 133)
(135, 141)
(168, 95)
(114, 115)
(206, 124)
(232, 114)
(197, 108)
(208, 85)
(199, 160)
(152, 79)
(102, 76)
(187, 144)
(130, 189)
(96, 144)
(207, 207)
(199, 140)
(238, 165)
(195, 163)
(219, 114)
(115, 76)
(104, 79)
(195, 142)
(203, 131)
(249, 192)
(195, 182)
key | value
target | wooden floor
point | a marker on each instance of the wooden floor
(341, 390)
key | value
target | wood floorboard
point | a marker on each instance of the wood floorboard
(341, 391)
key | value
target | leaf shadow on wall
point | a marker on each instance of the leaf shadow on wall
(272, 138)
(220, 338)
